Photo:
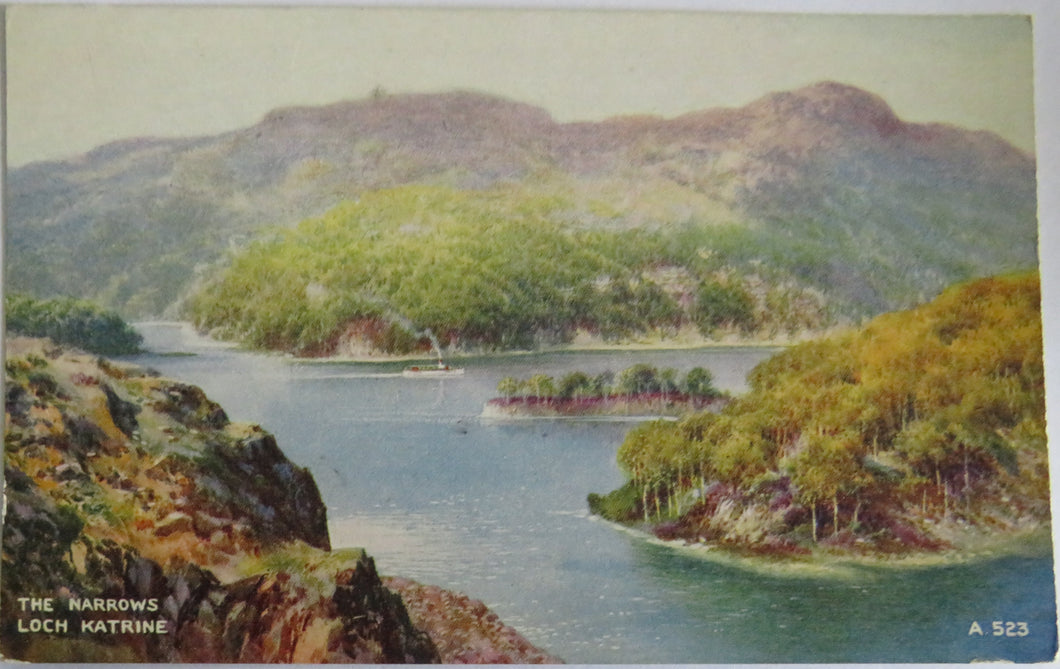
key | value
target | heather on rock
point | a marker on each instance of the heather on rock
(132, 502)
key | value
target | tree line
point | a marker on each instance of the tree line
(638, 379)
(70, 321)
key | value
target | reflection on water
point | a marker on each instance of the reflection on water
(498, 511)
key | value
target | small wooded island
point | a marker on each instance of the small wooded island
(920, 432)
(640, 390)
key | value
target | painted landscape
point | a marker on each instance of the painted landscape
(428, 377)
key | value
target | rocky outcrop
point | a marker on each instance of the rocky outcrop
(141, 525)
(464, 629)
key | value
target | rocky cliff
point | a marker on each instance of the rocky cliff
(142, 525)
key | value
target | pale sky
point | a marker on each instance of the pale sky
(78, 76)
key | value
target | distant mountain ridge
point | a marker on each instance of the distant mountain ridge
(131, 222)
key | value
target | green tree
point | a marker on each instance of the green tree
(576, 385)
(638, 379)
(720, 305)
(541, 385)
(699, 382)
(603, 384)
(668, 381)
(509, 386)
(823, 469)
(927, 449)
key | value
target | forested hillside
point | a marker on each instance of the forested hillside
(889, 438)
(417, 267)
(823, 184)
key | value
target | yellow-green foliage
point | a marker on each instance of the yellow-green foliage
(501, 268)
(485, 268)
(947, 397)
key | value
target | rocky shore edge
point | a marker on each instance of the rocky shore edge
(142, 525)
(644, 406)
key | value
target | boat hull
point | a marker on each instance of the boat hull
(429, 373)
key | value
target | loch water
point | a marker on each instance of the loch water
(497, 510)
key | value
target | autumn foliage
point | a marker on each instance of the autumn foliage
(875, 438)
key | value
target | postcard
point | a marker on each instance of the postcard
(590, 335)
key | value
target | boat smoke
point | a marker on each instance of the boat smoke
(387, 312)
(416, 332)
(434, 343)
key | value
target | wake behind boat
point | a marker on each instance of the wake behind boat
(440, 371)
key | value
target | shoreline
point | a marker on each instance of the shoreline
(593, 418)
(1030, 542)
(639, 407)
(595, 346)
(469, 356)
